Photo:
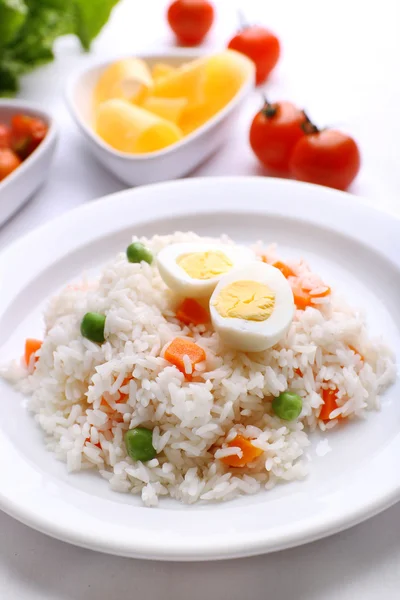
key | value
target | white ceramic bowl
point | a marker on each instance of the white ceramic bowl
(354, 470)
(19, 186)
(170, 163)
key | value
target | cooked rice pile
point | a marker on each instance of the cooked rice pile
(85, 396)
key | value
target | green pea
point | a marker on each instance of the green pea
(92, 327)
(136, 252)
(139, 444)
(287, 406)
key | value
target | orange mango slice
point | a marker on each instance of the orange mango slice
(133, 129)
(225, 73)
(185, 82)
(167, 108)
(161, 70)
(128, 79)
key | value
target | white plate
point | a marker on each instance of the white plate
(172, 162)
(356, 248)
(21, 184)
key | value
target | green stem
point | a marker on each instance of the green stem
(269, 109)
(308, 126)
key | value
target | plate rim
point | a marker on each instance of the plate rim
(191, 549)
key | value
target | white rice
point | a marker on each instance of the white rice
(85, 396)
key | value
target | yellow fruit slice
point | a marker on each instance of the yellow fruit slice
(195, 116)
(133, 129)
(127, 79)
(186, 81)
(167, 108)
(161, 70)
(225, 74)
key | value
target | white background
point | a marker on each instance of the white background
(341, 61)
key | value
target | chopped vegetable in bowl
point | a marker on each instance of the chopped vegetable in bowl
(18, 140)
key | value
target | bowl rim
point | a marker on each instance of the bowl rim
(51, 135)
(188, 53)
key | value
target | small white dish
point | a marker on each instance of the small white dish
(354, 470)
(20, 185)
(174, 161)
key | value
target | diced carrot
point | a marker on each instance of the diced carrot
(249, 451)
(301, 297)
(31, 346)
(330, 404)
(122, 397)
(108, 405)
(179, 348)
(98, 443)
(117, 416)
(298, 372)
(284, 269)
(110, 412)
(323, 294)
(357, 352)
(190, 311)
(304, 297)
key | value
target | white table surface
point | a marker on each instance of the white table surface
(340, 60)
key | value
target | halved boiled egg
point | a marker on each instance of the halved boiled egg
(252, 307)
(194, 269)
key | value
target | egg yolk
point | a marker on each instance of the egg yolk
(205, 265)
(249, 300)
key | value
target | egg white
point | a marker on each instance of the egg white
(255, 336)
(178, 280)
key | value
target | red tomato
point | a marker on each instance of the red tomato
(327, 157)
(274, 132)
(5, 136)
(190, 20)
(26, 134)
(259, 44)
(8, 162)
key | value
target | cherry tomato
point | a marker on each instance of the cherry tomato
(8, 162)
(327, 157)
(190, 20)
(26, 134)
(259, 44)
(5, 136)
(274, 132)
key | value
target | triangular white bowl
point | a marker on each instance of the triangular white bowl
(172, 162)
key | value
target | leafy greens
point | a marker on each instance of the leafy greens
(28, 29)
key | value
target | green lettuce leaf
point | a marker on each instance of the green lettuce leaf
(29, 28)
(13, 14)
(8, 82)
(33, 45)
(91, 17)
